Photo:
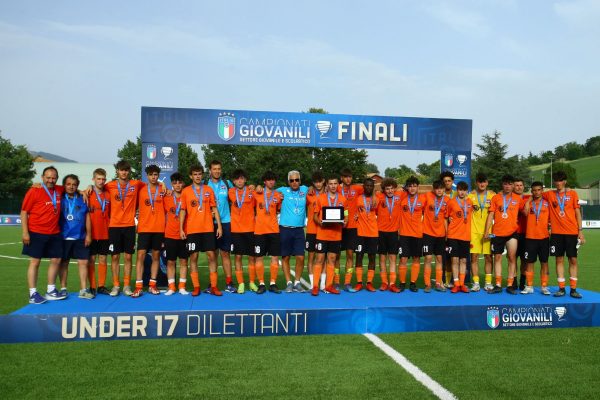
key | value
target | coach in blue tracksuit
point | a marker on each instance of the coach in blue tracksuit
(76, 231)
(291, 228)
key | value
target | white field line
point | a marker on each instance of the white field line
(422, 377)
(6, 244)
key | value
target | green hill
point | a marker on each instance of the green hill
(588, 170)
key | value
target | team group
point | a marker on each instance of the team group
(228, 217)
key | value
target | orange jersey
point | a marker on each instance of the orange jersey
(538, 219)
(366, 215)
(411, 223)
(151, 216)
(311, 203)
(100, 218)
(388, 212)
(42, 215)
(433, 226)
(505, 221)
(330, 232)
(459, 213)
(242, 217)
(563, 224)
(522, 220)
(172, 206)
(122, 211)
(198, 209)
(266, 221)
(350, 194)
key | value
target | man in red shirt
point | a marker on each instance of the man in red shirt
(41, 237)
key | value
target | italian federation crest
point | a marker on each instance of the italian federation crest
(493, 318)
(226, 126)
(448, 160)
(151, 151)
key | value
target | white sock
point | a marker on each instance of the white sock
(310, 276)
(288, 282)
(63, 288)
(171, 280)
(32, 290)
(51, 288)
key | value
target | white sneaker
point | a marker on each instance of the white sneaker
(115, 291)
(127, 291)
(527, 290)
(183, 292)
(475, 287)
(488, 286)
(545, 291)
(169, 292)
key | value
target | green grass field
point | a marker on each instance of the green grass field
(539, 363)
(587, 170)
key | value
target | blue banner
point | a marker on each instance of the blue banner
(10, 220)
(240, 127)
(165, 155)
(298, 321)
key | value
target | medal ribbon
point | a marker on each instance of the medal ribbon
(121, 194)
(561, 201)
(52, 197)
(334, 202)
(268, 199)
(463, 207)
(239, 202)
(367, 207)
(199, 195)
(436, 207)
(152, 200)
(71, 204)
(101, 200)
(482, 204)
(505, 203)
(390, 207)
(411, 207)
(538, 210)
(178, 205)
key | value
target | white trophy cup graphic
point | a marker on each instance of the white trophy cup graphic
(461, 158)
(560, 312)
(166, 151)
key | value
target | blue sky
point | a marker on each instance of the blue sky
(74, 74)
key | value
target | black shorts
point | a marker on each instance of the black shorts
(224, 242)
(521, 245)
(410, 246)
(561, 244)
(366, 245)
(498, 243)
(349, 238)
(328, 246)
(75, 249)
(537, 248)
(388, 243)
(267, 244)
(121, 240)
(201, 242)
(242, 243)
(433, 245)
(311, 240)
(99, 247)
(292, 241)
(175, 248)
(43, 246)
(150, 240)
(458, 248)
